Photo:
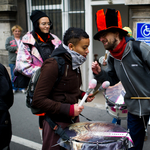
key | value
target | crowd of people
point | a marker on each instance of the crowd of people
(37, 49)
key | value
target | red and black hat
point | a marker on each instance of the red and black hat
(108, 22)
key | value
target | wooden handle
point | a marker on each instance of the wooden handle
(94, 93)
(105, 56)
(140, 97)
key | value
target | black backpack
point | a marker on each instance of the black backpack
(137, 51)
(30, 92)
(34, 79)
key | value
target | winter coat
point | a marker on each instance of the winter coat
(11, 46)
(134, 76)
(28, 57)
(56, 102)
(6, 101)
(67, 92)
(6, 93)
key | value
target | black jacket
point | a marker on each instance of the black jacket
(6, 93)
(6, 101)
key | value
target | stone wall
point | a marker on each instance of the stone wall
(8, 11)
(12, 12)
(4, 57)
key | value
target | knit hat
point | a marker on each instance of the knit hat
(128, 30)
(36, 15)
(110, 21)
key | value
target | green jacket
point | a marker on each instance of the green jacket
(11, 46)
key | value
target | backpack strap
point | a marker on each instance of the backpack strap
(58, 130)
(61, 69)
(136, 48)
(137, 51)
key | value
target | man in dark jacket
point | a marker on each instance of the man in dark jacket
(125, 66)
(6, 101)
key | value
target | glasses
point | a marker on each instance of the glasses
(45, 24)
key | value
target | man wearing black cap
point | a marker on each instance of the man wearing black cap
(36, 46)
(125, 65)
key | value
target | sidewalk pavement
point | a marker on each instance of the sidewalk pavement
(98, 102)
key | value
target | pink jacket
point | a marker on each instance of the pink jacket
(29, 60)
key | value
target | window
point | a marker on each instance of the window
(63, 13)
(77, 13)
(45, 2)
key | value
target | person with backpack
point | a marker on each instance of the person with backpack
(128, 62)
(118, 121)
(60, 102)
(36, 46)
(6, 101)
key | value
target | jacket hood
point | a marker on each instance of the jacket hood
(58, 51)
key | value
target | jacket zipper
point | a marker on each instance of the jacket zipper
(66, 72)
(121, 63)
(130, 81)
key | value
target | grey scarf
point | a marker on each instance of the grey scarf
(77, 59)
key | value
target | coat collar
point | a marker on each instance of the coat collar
(29, 39)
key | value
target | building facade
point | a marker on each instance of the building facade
(11, 13)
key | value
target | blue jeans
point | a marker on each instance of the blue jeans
(12, 67)
(137, 130)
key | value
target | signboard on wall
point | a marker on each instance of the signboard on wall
(143, 32)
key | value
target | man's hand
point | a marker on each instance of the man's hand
(96, 68)
(77, 109)
(104, 62)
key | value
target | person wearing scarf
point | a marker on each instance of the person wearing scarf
(62, 104)
(125, 65)
(41, 32)
(36, 46)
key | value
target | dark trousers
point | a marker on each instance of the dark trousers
(12, 67)
(41, 119)
(136, 128)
